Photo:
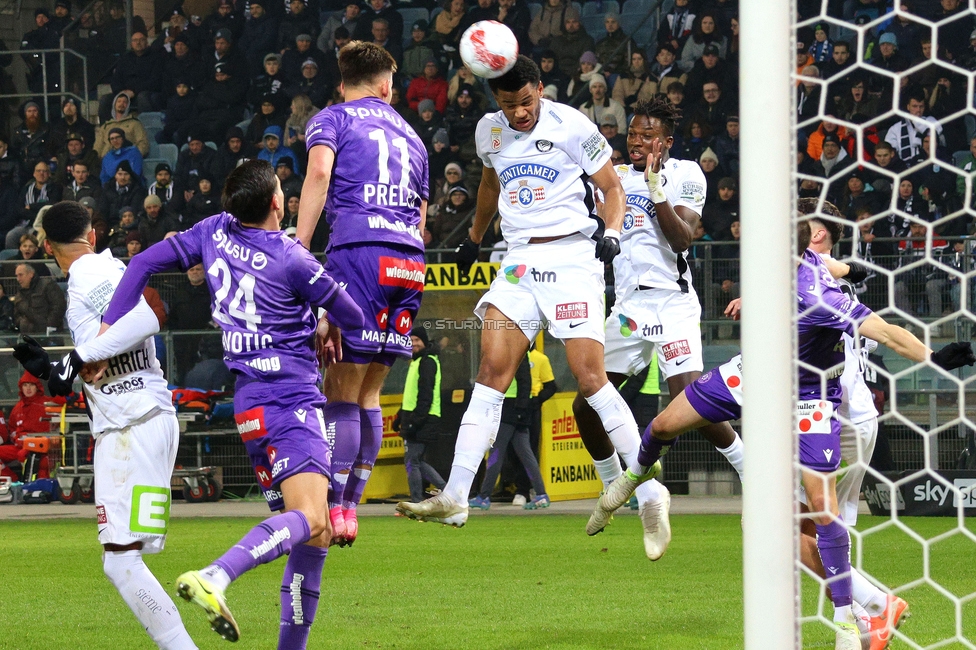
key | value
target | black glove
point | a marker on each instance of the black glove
(63, 374)
(396, 422)
(608, 246)
(955, 355)
(465, 255)
(33, 357)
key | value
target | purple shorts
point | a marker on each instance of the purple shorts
(388, 283)
(717, 394)
(819, 433)
(283, 431)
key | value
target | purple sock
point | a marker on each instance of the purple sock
(341, 419)
(267, 541)
(300, 595)
(651, 449)
(835, 552)
(371, 437)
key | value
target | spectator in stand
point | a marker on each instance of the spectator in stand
(260, 36)
(840, 69)
(204, 203)
(183, 63)
(41, 38)
(117, 238)
(268, 115)
(302, 111)
(462, 117)
(908, 32)
(180, 111)
(76, 152)
(29, 251)
(195, 159)
(552, 75)
(313, 84)
(163, 187)
(833, 159)
(924, 282)
(857, 195)
(120, 149)
(822, 48)
(725, 273)
(230, 154)
(155, 222)
(578, 88)
(610, 131)
(515, 15)
(39, 305)
(600, 104)
(482, 10)
(905, 135)
(968, 165)
(295, 58)
(70, 121)
(614, 50)
(379, 9)
(447, 27)
(121, 118)
(221, 104)
(133, 244)
(416, 55)
(886, 57)
(719, 214)
(291, 182)
(573, 42)
(441, 163)
(11, 168)
(270, 83)
(706, 32)
(430, 86)
(857, 102)
(948, 97)
(138, 73)
(954, 35)
(711, 167)
(29, 416)
(664, 71)
(430, 121)
(727, 145)
(827, 127)
(273, 150)
(37, 193)
(383, 38)
(676, 26)
(82, 184)
(235, 61)
(713, 108)
(636, 83)
(548, 23)
(345, 18)
(697, 138)
(808, 95)
(298, 20)
(937, 186)
(121, 191)
(293, 203)
(884, 157)
(189, 310)
(330, 62)
(30, 139)
(449, 228)
(225, 17)
(709, 68)
(179, 28)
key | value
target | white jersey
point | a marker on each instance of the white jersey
(857, 402)
(133, 384)
(646, 258)
(541, 172)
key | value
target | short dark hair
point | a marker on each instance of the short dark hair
(361, 62)
(808, 207)
(524, 72)
(248, 191)
(66, 222)
(844, 43)
(661, 109)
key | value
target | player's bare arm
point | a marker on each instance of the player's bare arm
(677, 224)
(488, 192)
(897, 338)
(614, 198)
(315, 190)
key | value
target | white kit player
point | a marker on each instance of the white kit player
(878, 612)
(656, 306)
(537, 155)
(132, 419)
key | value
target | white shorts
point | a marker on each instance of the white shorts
(558, 286)
(856, 448)
(655, 318)
(133, 469)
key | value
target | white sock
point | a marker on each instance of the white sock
(608, 469)
(217, 576)
(618, 421)
(479, 426)
(147, 599)
(843, 614)
(870, 597)
(860, 614)
(734, 454)
(649, 491)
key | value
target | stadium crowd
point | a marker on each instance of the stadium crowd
(239, 79)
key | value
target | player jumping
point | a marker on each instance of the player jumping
(716, 396)
(537, 155)
(368, 168)
(656, 306)
(263, 286)
(132, 419)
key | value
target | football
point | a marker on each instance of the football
(489, 49)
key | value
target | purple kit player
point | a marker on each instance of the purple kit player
(826, 312)
(368, 169)
(263, 286)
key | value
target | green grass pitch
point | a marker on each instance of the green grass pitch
(501, 582)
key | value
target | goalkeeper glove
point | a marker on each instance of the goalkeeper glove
(465, 255)
(608, 246)
(63, 374)
(33, 357)
(955, 355)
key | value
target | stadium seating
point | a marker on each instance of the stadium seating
(646, 35)
(152, 120)
(7, 253)
(637, 6)
(170, 153)
(594, 26)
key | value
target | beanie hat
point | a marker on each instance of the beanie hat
(708, 154)
(426, 105)
(441, 136)
(421, 333)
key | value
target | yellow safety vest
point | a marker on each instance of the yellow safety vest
(410, 387)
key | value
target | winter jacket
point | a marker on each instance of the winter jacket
(278, 154)
(114, 157)
(138, 72)
(40, 306)
(28, 415)
(260, 37)
(114, 198)
(134, 131)
(547, 24)
(570, 47)
(614, 51)
(423, 88)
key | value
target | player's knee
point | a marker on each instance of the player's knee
(589, 382)
(494, 376)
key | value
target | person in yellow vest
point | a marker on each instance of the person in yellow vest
(514, 428)
(642, 393)
(418, 421)
(543, 387)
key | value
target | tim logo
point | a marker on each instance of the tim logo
(514, 273)
(543, 276)
(264, 476)
(250, 424)
(567, 310)
(676, 349)
(652, 330)
(403, 323)
(627, 326)
(408, 274)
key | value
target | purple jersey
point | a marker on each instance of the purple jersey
(380, 173)
(261, 284)
(825, 313)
